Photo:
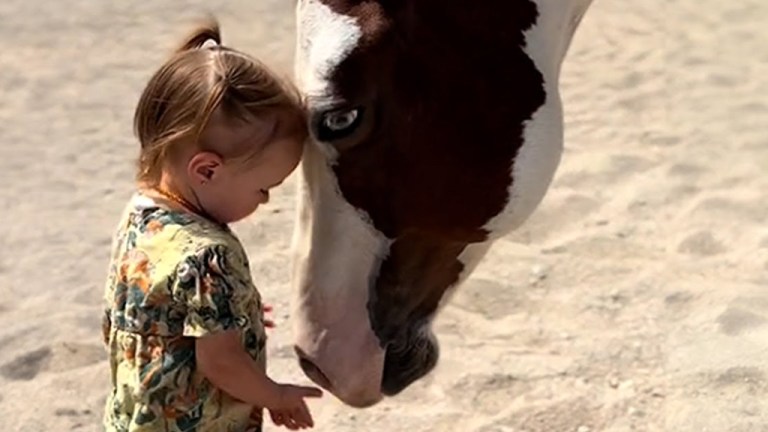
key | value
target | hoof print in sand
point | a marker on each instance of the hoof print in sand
(491, 299)
(60, 357)
(741, 375)
(26, 367)
(567, 415)
(702, 243)
(71, 412)
(491, 393)
(736, 320)
(72, 355)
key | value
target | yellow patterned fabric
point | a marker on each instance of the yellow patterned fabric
(174, 277)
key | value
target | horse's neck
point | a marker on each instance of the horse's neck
(547, 43)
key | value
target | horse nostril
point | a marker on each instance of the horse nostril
(313, 372)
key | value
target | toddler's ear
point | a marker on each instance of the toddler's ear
(203, 167)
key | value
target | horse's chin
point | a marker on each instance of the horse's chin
(360, 403)
(407, 360)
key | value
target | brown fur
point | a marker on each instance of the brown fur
(446, 89)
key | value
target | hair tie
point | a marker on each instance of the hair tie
(209, 43)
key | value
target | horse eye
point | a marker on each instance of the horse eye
(339, 121)
(338, 124)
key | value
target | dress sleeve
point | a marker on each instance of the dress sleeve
(209, 291)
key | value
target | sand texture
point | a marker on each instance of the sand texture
(635, 298)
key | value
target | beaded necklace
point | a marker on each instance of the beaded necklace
(180, 200)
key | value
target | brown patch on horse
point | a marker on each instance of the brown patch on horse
(411, 284)
(445, 88)
(412, 280)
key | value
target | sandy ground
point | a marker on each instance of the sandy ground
(635, 299)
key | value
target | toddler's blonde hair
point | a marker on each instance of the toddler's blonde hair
(201, 77)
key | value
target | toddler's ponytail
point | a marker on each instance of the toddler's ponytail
(205, 34)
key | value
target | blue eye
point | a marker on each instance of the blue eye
(338, 121)
(337, 124)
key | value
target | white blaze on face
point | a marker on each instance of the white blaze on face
(324, 38)
(337, 250)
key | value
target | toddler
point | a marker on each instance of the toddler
(184, 323)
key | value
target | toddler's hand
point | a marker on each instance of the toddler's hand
(290, 409)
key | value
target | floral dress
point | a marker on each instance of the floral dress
(174, 277)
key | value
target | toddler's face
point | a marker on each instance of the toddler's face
(233, 189)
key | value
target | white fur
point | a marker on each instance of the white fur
(332, 324)
(547, 44)
(534, 167)
(324, 39)
(331, 292)
(331, 321)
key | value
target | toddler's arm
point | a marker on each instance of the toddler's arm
(209, 291)
(222, 359)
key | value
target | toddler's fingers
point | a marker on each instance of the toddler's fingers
(302, 413)
(286, 420)
(305, 391)
(277, 418)
(290, 423)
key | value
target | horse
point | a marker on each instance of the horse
(436, 127)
